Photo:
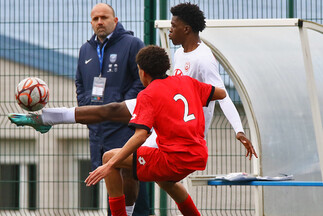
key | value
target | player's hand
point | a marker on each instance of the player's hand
(247, 144)
(97, 175)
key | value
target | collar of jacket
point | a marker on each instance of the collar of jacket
(118, 32)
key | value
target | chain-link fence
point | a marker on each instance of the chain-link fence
(44, 174)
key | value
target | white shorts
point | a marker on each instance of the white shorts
(151, 140)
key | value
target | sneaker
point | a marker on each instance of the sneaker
(31, 120)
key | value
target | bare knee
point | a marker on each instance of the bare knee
(108, 155)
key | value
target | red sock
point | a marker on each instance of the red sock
(118, 206)
(188, 207)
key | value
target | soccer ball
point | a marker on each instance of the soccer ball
(32, 94)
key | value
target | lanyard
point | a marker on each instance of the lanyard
(100, 55)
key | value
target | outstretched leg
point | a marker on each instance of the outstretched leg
(179, 194)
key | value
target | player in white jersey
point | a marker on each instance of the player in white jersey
(201, 65)
(196, 60)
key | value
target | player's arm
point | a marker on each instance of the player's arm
(228, 108)
(212, 76)
(218, 94)
(233, 117)
(118, 160)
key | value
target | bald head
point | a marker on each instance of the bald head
(103, 20)
(103, 6)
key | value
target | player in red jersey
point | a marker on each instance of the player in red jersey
(173, 106)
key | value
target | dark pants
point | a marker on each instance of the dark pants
(142, 203)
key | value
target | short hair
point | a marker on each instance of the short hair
(191, 15)
(113, 12)
(153, 60)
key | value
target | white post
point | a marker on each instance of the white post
(312, 91)
(23, 187)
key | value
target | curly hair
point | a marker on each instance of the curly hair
(191, 15)
(153, 60)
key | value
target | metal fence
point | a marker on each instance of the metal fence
(44, 174)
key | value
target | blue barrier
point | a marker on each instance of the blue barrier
(267, 183)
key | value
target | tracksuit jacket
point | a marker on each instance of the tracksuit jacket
(122, 82)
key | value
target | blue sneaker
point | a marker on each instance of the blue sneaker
(31, 120)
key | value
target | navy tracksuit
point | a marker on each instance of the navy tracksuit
(122, 83)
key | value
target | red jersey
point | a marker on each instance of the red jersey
(174, 107)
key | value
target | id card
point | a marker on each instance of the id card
(98, 89)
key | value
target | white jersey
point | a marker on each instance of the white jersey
(202, 65)
(151, 140)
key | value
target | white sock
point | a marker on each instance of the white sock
(62, 115)
(129, 209)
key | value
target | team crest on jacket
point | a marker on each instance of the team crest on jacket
(113, 58)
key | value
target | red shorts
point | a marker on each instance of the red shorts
(151, 164)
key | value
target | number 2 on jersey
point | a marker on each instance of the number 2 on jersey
(186, 117)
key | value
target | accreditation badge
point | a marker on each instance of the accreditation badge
(98, 89)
